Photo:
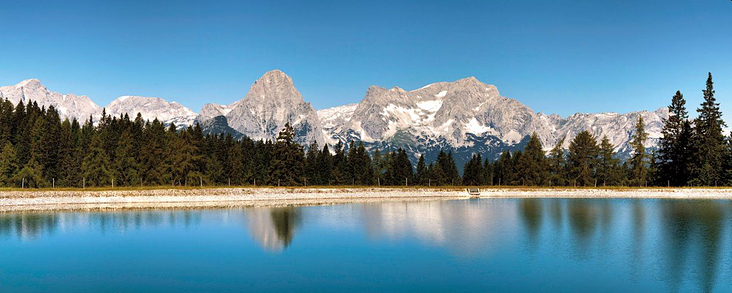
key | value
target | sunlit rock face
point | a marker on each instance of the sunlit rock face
(272, 102)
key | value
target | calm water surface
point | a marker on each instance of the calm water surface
(546, 245)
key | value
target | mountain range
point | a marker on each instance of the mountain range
(465, 116)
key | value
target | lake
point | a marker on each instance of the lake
(497, 245)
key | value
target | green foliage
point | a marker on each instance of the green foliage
(8, 163)
(582, 159)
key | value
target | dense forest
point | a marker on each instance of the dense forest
(41, 150)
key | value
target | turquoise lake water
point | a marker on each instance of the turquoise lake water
(496, 245)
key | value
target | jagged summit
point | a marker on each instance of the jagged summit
(272, 101)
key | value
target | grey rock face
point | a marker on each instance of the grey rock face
(68, 106)
(272, 101)
(465, 115)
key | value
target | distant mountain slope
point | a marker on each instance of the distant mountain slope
(151, 108)
(68, 106)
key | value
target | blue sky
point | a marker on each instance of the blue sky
(554, 56)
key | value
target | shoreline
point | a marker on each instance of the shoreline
(80, 199)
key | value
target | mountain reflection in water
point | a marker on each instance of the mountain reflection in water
(678, 242)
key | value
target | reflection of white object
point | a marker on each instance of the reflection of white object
(262, 229)
(463, 227)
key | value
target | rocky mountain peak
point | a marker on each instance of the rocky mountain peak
(272, 101)
(31, 83)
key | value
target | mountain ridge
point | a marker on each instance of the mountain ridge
(465, 115)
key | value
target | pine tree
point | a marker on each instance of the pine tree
(709, 142)
(582, 159)
(311, 164)
(8, 164)
(325, 166)
(287, 162)
(675, 146)
(422, 175)
(31, 175)
(534, 163)
(473, 171)
(448, 166)
(607, 167)
(96, 166)
(558, 164)
(125, 165)
(639, 159)
(504, 169)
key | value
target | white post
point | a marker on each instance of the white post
(83, 182)
(53, 184)
(22, 183)
(201, 179)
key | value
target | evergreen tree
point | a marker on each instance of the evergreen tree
(312, 173)
(448, 166)
(287, 162)
(125, 165)
(96, 166)
(558, 164)
(607, 167)
(709, 141)
(638, 161)
(8, 164)
(582, 159)
(534, 165)
(31, 175)
(473, 171)
(504, 169)
(675, 145)
(325, 166)
(422, 175)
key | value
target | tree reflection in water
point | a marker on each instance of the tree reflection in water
(531, 212)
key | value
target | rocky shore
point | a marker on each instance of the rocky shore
(50, 200)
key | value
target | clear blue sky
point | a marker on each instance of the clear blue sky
(554, 56)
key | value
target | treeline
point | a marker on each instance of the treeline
(41, 150)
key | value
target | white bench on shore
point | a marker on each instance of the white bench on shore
(473, 191)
